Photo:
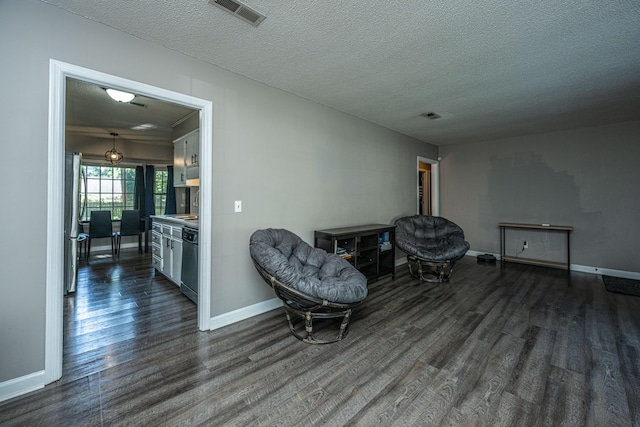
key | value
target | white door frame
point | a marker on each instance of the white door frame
(435, 184)
(58, 73)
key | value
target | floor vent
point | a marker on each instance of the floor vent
(240, 10)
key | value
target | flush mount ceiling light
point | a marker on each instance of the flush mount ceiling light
(113, 156)
(119, 95)
(146, 126)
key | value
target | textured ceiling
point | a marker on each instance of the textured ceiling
(491, 69)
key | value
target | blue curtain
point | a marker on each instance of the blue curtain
(139, 184)
(170, 207)
(149, 204)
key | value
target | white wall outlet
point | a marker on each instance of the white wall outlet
(525, 245)
(238, 206)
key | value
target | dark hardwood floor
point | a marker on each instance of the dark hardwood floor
(515, 345)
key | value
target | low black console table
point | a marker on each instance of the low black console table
(547, 227)
(369, 248)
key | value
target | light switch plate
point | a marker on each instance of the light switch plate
(238, 206)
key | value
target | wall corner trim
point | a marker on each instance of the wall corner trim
(244, 313)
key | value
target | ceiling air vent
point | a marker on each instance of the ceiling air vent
(431, 116)
(240, 10)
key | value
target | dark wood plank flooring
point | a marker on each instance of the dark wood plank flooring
(515, 345)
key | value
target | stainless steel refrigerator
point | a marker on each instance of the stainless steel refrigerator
(72, 169)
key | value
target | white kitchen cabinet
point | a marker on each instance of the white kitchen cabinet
(192, 153)
(166, 246)
(174, 251)
(186, 158)
(167, 259)
(156, 246)
(179, 169)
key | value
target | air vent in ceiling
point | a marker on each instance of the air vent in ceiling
(240, 10)
(431, 115)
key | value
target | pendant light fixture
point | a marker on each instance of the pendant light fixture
(114, 156)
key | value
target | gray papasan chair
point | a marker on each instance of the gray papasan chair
(433, 244)
(311, 282)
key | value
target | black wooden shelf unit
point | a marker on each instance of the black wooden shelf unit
(369, 248)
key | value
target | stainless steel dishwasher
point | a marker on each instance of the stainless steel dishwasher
(189, 276)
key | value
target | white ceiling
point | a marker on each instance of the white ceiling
(491, 69)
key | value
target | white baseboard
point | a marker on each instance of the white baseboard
(583, 268)
(22, 385)
(244, 313)
(606, 271)
(476, 253)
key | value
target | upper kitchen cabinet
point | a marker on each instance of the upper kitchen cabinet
(179, 169)
(192, 152)
(185, 158)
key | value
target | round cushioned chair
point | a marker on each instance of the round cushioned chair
(312, 283)
(432, 244)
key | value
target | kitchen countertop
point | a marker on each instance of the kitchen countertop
(179, 219)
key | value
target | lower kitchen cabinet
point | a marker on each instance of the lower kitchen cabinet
(166, 244)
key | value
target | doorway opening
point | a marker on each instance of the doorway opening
(428, 183)
(424, 188)
(58, 74)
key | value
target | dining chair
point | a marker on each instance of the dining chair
(129, 226)
(82, 241)
(100, 227)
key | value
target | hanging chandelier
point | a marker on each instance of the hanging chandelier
(114, 156)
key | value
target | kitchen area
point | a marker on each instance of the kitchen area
(149, 133)
(174, 247)
(174, 237)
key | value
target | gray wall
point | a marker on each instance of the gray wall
(587, 178)
(293, 163)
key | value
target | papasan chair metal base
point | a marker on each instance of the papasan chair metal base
(430, 271)
(433, 244)
(301, 315)
(314, 285)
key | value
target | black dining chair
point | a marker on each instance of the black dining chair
(100, 227)
(129, 226)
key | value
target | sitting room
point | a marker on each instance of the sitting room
(518, 123)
